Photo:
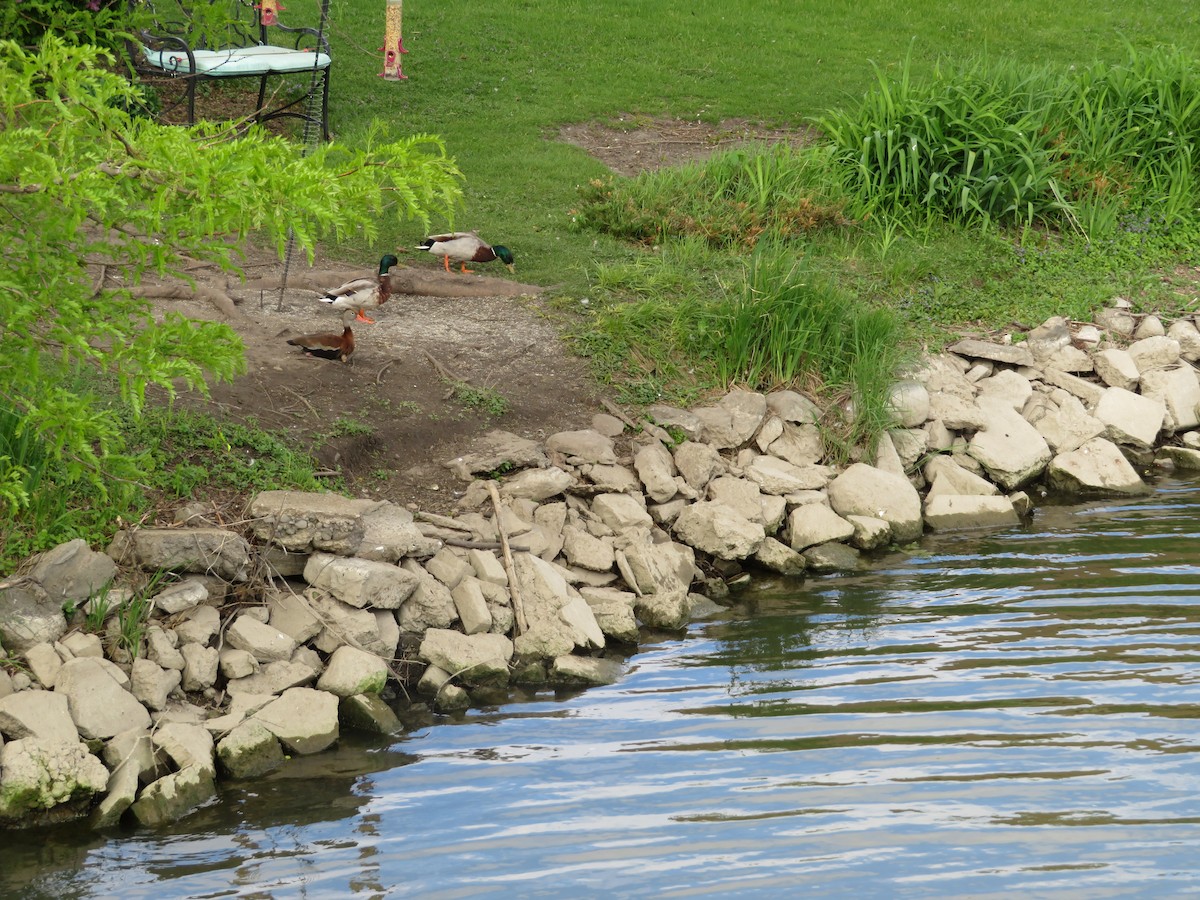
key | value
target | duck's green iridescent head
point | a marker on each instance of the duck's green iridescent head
(504, 255)
(386, 263)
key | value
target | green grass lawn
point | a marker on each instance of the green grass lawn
(496, 81)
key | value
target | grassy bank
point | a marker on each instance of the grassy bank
(981, 167)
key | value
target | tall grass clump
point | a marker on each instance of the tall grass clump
(730, 201)
(1000, 144)
(788, 326)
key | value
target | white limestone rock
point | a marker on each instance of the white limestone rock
(198, 626)
(431, 605)
(734, 420)
(100, 706)
(39, 774)
(614, 612)
(718, 530)
(957, 512)
(44, 663)
(863, 490)
(1010, 354)
(585, 445)
(352, 671)
(1179, 390)
(614, 479)
(1150, 326)
(264, 643)
(200, 665)
(815, 524)
(793, 407)
(495, 450)
(186, 745)
(870, 533)
(476, 660)
(909, 403)
(80, 643)
(1087, 391)
(249, 750)
(1009, 448)
(801, 445)
(945, 476)
(174, 796)
(621, 512)
(37, 714)
(196, 550)
(582, 549)
(1048, 338)
(779, 557)
(656, 468)
(1184, 331)
(152, 685)
(1155, 353)
(487, 567)
(28, 616)
(184, 595)
(698, 463)
(777, 476)
(235, 663)
(72, 572)
(471, 605)
(738, 494)
(571, 669)
(1130, 418)
(388, 535)
(274, 678)
(537, 484)
(293, 615)
(668, 609)
(361, 582)
(1096, 468)
(1116, 368)
(1068, 426)
(1007, 386)
(679, 420)
(956, 412)
(304, 720)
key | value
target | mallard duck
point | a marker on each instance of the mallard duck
(362, 294)
(465, 247)
(329, 345)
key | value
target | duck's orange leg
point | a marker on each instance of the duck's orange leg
(363, 317)
(446, 262)
(465, 270)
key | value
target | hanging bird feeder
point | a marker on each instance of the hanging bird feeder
(393, 42)
(268, 12)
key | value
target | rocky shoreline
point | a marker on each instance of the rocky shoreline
(138, 676)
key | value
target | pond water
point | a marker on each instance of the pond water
(987, 713)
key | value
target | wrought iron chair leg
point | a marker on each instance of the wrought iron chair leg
(262, 97)
(325, 105)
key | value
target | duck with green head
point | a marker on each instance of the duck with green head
(362, 294)
(464, 247)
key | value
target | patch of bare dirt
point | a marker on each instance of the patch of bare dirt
(400, 382)
(480, 330)
(638, 144)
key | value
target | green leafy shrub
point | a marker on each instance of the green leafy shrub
(96, 22)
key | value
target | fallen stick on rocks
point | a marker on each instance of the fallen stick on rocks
(513, 589)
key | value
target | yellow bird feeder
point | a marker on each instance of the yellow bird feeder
(393, 42)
